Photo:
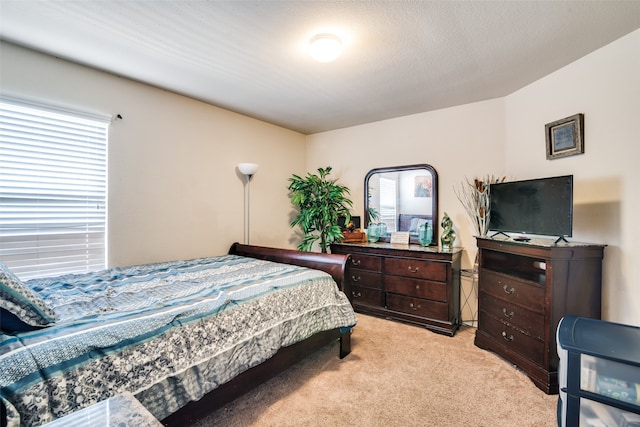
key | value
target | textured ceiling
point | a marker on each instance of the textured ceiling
(400, 57)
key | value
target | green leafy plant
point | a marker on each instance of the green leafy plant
(320, 202)
(373, 213)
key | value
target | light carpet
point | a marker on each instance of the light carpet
(396, 375)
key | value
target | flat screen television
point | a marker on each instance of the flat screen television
(536, 206)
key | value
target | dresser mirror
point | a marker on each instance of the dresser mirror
(402, 198)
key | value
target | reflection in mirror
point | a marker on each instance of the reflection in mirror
(402, 198)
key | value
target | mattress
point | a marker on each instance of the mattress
(167, 332)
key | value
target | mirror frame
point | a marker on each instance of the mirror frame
(434, 198)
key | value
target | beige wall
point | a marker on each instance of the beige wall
(459, 142)
(173, 188)
(506, 137)
(174, 192)
(605, 86)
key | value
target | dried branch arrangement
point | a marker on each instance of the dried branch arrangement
(476, 200)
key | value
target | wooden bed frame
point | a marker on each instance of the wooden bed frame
(337, 267)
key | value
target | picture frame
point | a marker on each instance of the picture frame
(400, 238)
(423, 186)
(565, 137)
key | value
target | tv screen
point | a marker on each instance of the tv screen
(536, 206)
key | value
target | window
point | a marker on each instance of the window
(52, 191)
(388, 203)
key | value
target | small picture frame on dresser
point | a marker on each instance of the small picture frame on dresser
(400, 238)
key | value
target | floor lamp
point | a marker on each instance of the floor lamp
(247, 169)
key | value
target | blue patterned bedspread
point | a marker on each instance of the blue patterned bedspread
(166, 332)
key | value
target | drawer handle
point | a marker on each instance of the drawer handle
(509, 315)
(417, 287)
(413, 270)
(507, 337)
(508, 291)
(355, 261)
(414, 307)
(356, 294)
(355, 279)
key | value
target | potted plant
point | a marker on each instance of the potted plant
(372, 212)
(320, 202)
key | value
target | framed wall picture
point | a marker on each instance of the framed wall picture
(423, 186)
(565, 137)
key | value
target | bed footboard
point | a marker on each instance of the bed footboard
(334, 264)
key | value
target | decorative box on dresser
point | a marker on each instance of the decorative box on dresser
(524, 289)
(408, 283)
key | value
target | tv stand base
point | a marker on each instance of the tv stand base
(499, 233)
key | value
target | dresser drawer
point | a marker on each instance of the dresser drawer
(411, 284)
(368, 279)
(511, 338)
(365, 262)
(416, 268)
(418, 306)
(366, 296)
(513, 291)
(416, 288)
(531, 323)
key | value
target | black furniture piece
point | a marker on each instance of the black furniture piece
(599, 373)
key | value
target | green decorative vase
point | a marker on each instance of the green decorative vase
(373, 233)
(425, 234)
(448, 235)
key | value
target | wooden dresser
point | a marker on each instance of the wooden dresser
(409, 283)
(524, 291)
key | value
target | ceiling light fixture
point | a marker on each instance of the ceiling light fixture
(325, 47)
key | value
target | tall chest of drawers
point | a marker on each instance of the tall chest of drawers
(409, 283)
(524, 289)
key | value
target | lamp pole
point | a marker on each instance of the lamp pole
(247, 209)
(247, 169)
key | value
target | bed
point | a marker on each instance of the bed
(185, 337)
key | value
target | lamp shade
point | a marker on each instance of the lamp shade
(248, 168)
(325, 47)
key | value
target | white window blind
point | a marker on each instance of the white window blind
(388, 203)
(52, 191)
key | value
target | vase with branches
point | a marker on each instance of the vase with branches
(320, 202)
(476, 200)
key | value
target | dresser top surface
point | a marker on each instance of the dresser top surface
(540, 242)
(410, 247)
